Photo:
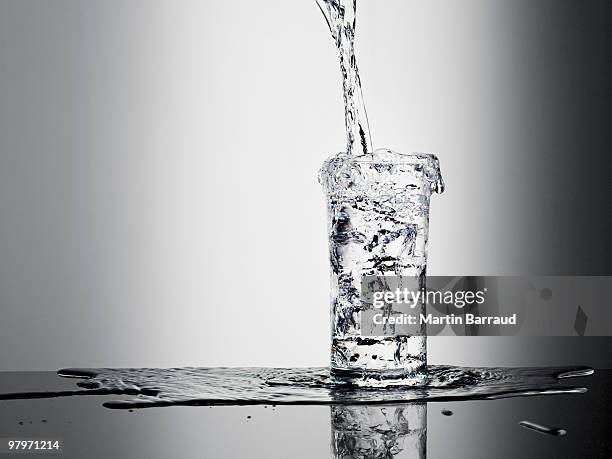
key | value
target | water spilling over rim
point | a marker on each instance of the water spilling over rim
(343, 170)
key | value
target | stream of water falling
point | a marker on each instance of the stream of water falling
(340, 16)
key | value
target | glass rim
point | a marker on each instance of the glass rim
(407, 158)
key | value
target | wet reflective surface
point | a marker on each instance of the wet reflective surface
(477, 428)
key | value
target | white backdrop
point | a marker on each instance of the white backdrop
(159, 158)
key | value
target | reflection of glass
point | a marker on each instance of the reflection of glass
(379, 432)
(378, 218)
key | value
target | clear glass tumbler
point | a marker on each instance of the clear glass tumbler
(378, 218)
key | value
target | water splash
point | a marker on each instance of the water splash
(150, 387)
(340, 17)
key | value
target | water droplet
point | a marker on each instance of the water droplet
(576, 372)
(546, 294)
(553, 431)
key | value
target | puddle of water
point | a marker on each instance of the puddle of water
(151, 387)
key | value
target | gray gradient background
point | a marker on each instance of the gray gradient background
(158, 159)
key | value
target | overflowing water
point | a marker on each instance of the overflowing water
(378, 214)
